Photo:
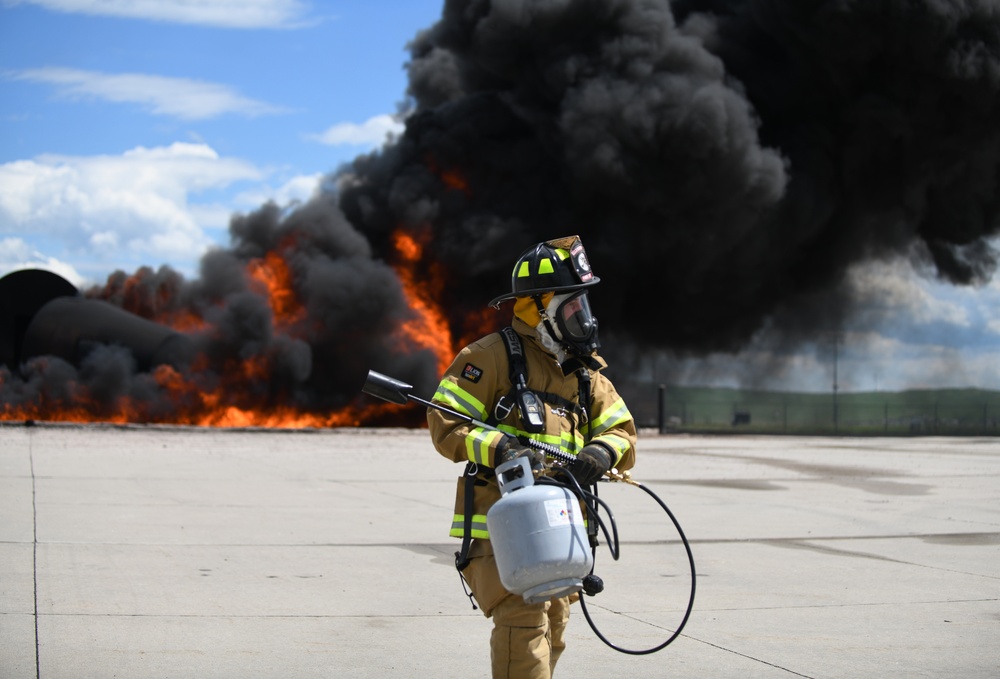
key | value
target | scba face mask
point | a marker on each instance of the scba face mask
(575, 325)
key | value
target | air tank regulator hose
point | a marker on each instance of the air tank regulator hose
(592, 584)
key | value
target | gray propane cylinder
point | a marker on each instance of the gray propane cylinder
(539, 541)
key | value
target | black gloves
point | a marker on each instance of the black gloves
(511, 448)
(590, 464)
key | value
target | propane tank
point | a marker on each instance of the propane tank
(539, 540)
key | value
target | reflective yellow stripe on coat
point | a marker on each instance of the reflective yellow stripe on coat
(478, 527)
(479, 439)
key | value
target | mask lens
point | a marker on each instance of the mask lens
(574, 317)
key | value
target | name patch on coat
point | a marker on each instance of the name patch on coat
(471, 372)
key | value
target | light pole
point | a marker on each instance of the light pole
(835, 343)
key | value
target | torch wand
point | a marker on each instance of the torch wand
(394, 391)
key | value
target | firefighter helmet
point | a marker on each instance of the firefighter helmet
(557, 265)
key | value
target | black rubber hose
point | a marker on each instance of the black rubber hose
(690, 605)
(615, 548)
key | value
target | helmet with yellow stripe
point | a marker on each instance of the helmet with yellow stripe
(557, 265)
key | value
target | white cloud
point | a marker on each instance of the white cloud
(15, 254)
(211, 216)
(176, 97)
(119, 210)
(373, 132)
(222, 13)
(297, 189)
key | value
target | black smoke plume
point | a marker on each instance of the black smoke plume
(725, 163)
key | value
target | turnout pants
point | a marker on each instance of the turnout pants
(527, 639)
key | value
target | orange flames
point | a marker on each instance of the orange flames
(429, 328)
(210, 409)
(195, 408)
(270, 276)
(227, 396)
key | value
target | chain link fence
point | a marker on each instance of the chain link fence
(954, 413)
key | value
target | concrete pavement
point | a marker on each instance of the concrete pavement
(179, 552)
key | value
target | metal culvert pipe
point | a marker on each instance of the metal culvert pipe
(22, 294)
(70, 327)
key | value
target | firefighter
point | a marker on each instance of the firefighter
(581, 413)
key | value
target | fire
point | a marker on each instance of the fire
(182, 320)
(429, 328)
(271, 276)
(193, 407)
(451, 178)
(227, 380)
(210, 410)
(407, 246)
(454, 180)
(151, 295)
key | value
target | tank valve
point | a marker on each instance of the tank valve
(592, 585)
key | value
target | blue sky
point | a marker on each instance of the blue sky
(132, 130)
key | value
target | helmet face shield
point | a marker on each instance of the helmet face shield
(576, 327)
(574, 318)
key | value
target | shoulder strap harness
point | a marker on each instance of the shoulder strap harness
(532, 418)
(526, 400)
